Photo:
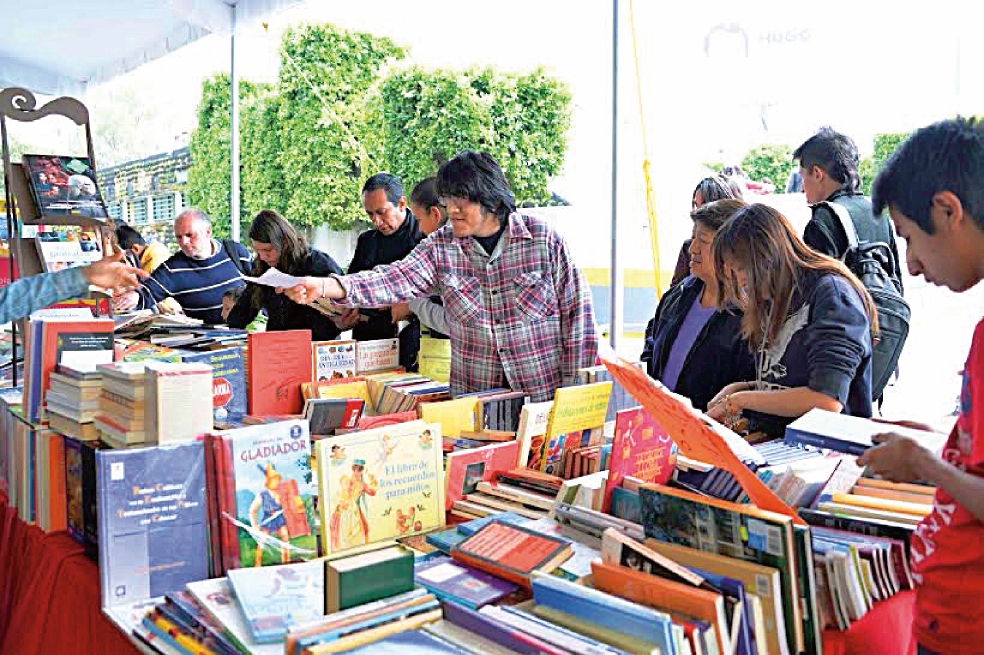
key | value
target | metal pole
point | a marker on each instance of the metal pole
(233, 134)
(617, 284)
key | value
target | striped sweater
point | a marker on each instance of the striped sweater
(198, 284)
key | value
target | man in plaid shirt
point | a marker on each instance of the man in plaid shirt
(519, 310)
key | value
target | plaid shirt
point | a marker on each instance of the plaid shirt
(522, 315)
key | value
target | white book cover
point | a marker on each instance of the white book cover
(378, 355)
(333, 359)
(178, 399)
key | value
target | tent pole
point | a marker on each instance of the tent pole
(617, 283)
(233, 134)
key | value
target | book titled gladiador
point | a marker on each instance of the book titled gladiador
(380, 484)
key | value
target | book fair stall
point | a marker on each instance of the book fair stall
(173, 487)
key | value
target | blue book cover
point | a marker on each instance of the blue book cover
(445, 539)
(228, 381)
(735, 590)
(625, 505)
(587, 604)
(469, 528)
(410, 642)
(153, 530)
(273, 598)
(451, 580)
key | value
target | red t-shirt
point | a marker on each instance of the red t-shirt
(948, 545)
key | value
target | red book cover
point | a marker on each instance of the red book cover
(279, 363)
(297, 523)
(641, 449)
(228, 531)
(370, 422)
(512, 552)
(79, 343)
(466, 468)
(212, 498)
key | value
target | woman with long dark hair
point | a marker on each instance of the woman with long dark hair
(710, 189)
(278, 245)
(807, 318)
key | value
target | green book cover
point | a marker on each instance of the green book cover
(695, 524)
(363, 578)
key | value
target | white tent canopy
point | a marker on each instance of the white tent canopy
(59, 47)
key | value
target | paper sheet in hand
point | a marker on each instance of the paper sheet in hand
(274, 278)
(698, 436)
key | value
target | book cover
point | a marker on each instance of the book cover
(78, 343)
(453, 415)
(512, 552)
(67, 247)
(450, 580)
(380, 484)
(377, 355)
(641, 449)
(73, 490)
(466, 468)
(367, 577)
(64, 186)
(579, 408)
(333, 360)
(274, 597)
(153, 528)
(218, 601)
(90, 500)
(228, 381)
(533, 419)
(850, 434)
(434, 358)
(279, 362)
(272, 492)
(325, 415)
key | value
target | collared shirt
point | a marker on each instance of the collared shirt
(522, 313)
(23, 296)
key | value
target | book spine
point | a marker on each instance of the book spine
(490, 567)
(799, 437)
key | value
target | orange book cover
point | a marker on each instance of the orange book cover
(512, 552)
(279, 363)
(666, 595)
(693, 436)
(57, 500)
(297, 523)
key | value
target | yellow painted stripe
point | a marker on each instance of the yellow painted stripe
(635, 278)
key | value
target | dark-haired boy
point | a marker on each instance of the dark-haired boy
(933, 187)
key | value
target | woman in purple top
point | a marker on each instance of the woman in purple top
(691, 347)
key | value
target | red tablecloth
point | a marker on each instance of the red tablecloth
(885, 630)
(49, 594)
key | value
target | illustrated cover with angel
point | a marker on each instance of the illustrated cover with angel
(380, 484)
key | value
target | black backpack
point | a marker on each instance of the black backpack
(874, 264)
(233, 253)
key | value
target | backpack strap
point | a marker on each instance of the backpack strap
(230, 249)
(846, 222)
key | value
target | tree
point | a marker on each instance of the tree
(522, 120)
(770, 161)
(324, 154)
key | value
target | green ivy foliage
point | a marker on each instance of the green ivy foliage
(772, 161)
(208, 177)
(428, 116)
(324, 155)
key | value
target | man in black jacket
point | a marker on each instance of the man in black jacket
(394, 235)
(829, 168)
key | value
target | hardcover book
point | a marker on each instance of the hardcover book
(380, 484)
(333, 360)
(641, 449)
(270, 505)
(366, 577)
(64, 186)
(228, 381)
(275, 597)
(851, 434)
(67, 247)
(512, 552)
(279, 362)
(325, 415)
(153, 528)
(377, 355)
(466, 468)
(450, 580)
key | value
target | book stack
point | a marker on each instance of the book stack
(144, 351)
(121, 418)
(530, 494)
(895, 502)
(410, 394)
(228, 381)
(453, 581)
(512, 552)
(178, 401)
(72, 401)
(576, 422)
(274, 597)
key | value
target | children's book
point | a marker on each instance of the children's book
(467, 468)
(275, 597)
(641, 449)
(380, 484)
(333, 360)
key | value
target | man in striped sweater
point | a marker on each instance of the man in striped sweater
(197, 276)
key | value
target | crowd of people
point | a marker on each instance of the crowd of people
(760, 326)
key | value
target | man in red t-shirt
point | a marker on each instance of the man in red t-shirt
(933, 187)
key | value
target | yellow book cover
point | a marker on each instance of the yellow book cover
(579, 407)
(380, 484)
(346, 390)
(453, 415)
(434, 358)
(900, 506)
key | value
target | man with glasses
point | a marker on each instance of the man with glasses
(519, 310)
(395, 233)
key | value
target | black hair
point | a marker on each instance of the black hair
(234, 293)
(944, 156)
(477, 177)
(833, 152)
(387, 182)
(713, 215)
(716, 187)
(129, 237)
(425, 193)
(272, 228)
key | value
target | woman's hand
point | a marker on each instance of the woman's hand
(734, 387)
